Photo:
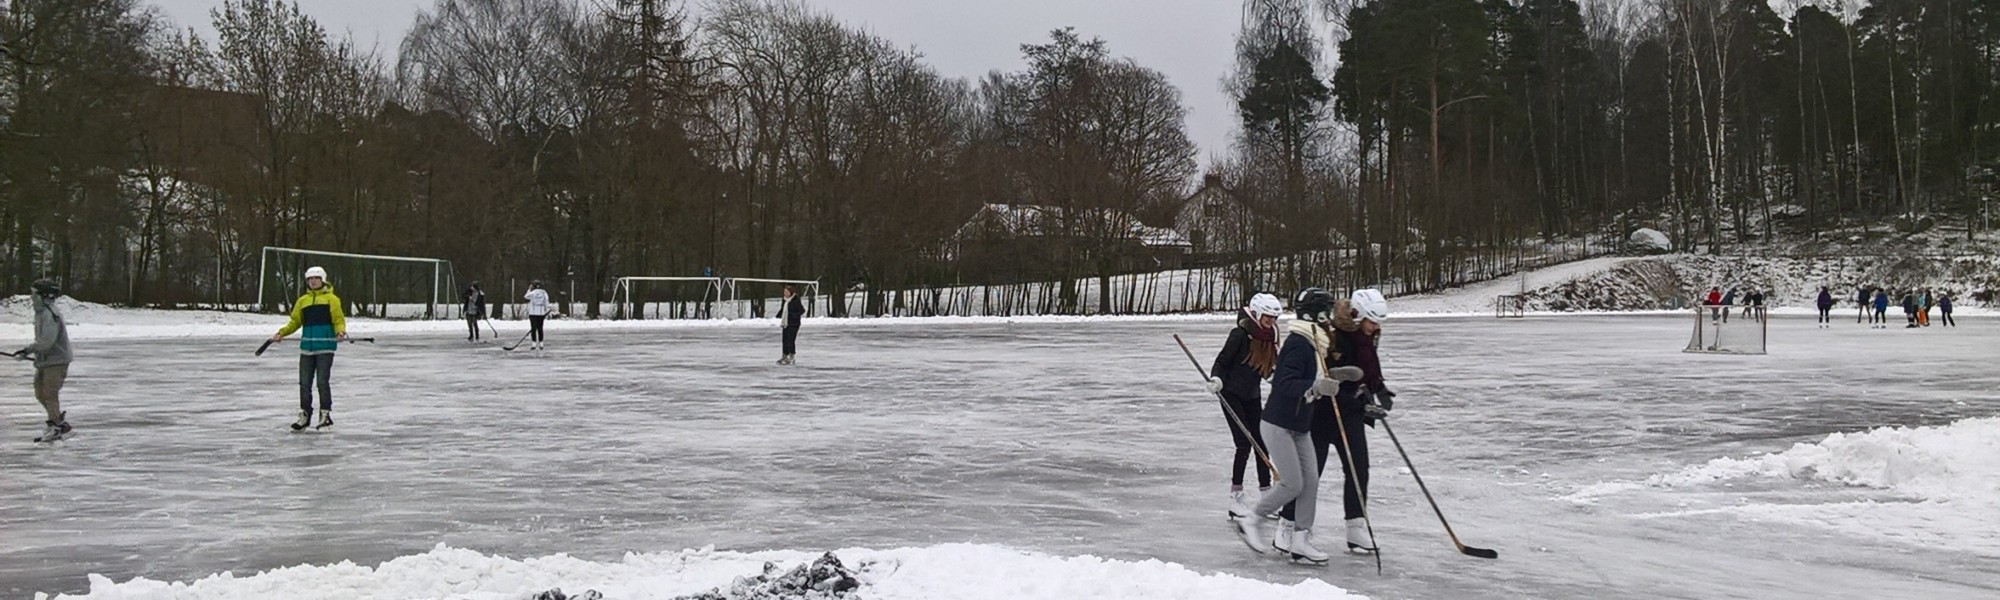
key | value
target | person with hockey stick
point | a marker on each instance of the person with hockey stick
(538, 311)
(1299, 379)
(324, 323)
(794, 311)
(474, 308)
(51, 354)
(1246, 360)
(1357, 333)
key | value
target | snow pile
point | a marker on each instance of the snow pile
(824, 579)
(1960, 461)
(961, 571)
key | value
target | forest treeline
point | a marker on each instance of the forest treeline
(583, 141)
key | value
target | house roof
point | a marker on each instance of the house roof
(1033, 220)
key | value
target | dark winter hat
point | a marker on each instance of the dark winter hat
(1314, 304)
(47, 287)
(535, 284)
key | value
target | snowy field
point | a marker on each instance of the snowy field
(1058, 458)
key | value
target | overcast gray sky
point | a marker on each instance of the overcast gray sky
(1192, 41)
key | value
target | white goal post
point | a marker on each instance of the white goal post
(701, 307)
(1510, 306)
(1729, 329)
(808, 291)
(374, 285)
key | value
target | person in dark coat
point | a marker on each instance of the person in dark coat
(1910, 308)
(1246, 360)
(474, 308)
(794, 312)
(1862, 298)
(1825, 307)
(1944, 308)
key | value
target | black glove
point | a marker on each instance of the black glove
(1385, 398)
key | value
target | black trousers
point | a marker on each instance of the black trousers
(1826, 315)
(1944, 319)
(535, 326)
(791, 341)
(1251, 412)
(1326, 436)
(472, 325)
(316, 369)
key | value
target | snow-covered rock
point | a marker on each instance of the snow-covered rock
(1650, 241)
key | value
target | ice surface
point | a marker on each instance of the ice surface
(977, 453)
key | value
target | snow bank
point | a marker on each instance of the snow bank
(1960, 461)
(960, 571)
(1932, 486)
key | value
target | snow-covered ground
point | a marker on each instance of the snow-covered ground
(996, 458)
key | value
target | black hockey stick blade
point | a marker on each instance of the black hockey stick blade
(366, 339)
(1478, 552)
(517, 343)
(265, 346)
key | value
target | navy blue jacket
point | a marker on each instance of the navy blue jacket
(1298, 366)
(1825, 300)
(794, 310)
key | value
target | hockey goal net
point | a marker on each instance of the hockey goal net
(1510, 306)
(1729, 329)
(400, 287)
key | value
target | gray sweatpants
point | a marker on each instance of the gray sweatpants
(48, 389)
(316, 368)
(1298, 474)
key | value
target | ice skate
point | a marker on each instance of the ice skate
(1250, 528)
(305, 420)
(1300, 548)
(55, 430)
(325, 420)
(1239, 503)
(1358, 540)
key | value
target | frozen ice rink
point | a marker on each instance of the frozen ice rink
(1579, 447)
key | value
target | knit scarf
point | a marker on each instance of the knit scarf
(1321, 339)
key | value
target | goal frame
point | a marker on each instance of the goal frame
(623, 286)
(1510, 306)
(808, 288)
(1708, 322)
(443, 278)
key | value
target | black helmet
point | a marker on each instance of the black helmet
(536, 284)
(47, 287)
(1314, 304)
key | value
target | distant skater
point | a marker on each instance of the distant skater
(1825, 307)
(1880, 317)
(1944, 311)
(794, 312)
(1910, 309)
(1863, 300)
(475, 309)
(324, 323)
(52, 357)
(538, 311)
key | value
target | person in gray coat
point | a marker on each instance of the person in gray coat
(51, 355)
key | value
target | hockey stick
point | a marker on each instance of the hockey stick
(1347, 460)
(1231, 411)
(490, 325)
(517, 343)
(267, 343)
(1462, 548)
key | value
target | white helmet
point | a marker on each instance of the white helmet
(1369, 305)
(1265, 305)
(316, 272)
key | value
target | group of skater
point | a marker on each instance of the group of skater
(1326, 391)
(472, 304)
(1751, 300)
(1873, 302)
(320, 319)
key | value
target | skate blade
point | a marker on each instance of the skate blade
(1360, 551)
(1300, 559)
